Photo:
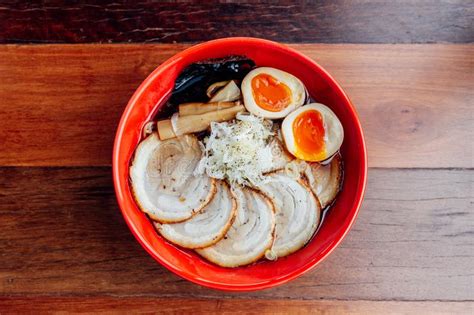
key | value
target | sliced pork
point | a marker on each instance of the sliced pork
(163, 181)
(250, 235)
(280, 157)
(325, 180)
(207, 227)
(297, 212)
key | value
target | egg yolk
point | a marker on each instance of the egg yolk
(308, 130)
(269, 93)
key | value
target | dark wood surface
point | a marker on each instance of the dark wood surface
(413, 100)
(339, 21)
(61, 233)
(408, 67)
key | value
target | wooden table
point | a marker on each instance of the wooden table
(408, 67)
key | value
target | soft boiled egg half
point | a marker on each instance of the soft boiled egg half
(312, 132)
(272, 93)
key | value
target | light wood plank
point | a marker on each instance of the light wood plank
(225, 306)
(61, 233)
(60, 104)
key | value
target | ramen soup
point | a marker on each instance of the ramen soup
(239, 164)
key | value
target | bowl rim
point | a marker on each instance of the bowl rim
(310, 264)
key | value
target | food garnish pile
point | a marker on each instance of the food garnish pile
(239, 164)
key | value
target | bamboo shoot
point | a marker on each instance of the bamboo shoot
(187, 109)
(195, 123)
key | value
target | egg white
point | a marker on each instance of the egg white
(294, 84)
(334, 132)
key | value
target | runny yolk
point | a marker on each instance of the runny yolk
(308, 130)
(269, 93)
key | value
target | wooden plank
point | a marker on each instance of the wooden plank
(224, 306)
(60, 104)
(61, 233)
(327, 21)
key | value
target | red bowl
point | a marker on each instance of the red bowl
(147, 100)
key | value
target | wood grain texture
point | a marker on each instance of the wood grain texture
(224, 306)
(62, 234)
(60, 104)
(326, 21)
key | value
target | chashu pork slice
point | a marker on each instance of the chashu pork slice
(297, 212)
(163, 181)
(207, 227)
(325, 180)
(250, 235)
(280, 156)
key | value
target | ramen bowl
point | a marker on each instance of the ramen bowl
(154, 92)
